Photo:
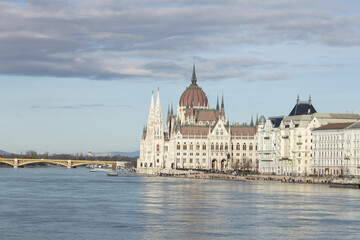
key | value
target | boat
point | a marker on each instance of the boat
(92, 169)
(113, 174)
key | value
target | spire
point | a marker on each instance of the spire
(217, 104)
(310, 99)
(298, 100)
(257, 120)
(157, 99)
(168, 109)
(222, 114)
(152, 100)
(193, 78)
(252, 121)
(172, 112)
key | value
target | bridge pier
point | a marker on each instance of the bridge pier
(69, 164)
(16, 163)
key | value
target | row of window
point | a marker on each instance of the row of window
(328, 154)
(215, 146)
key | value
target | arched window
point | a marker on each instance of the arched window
(217, 146)
(191, 146)
(221, 147)
(212, 146)
(237, 146)
(178, 146)
(197, 146)
(226, 147)
(158, 147)
(204, 146)
(184, 146)
(244, 146)
(250, 147)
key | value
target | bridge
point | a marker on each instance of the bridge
(18, 162)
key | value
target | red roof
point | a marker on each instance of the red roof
(194, 131)
(243, 131)
(335, 126)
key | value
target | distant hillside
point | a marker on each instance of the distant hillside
(126, 154)
(4, 153)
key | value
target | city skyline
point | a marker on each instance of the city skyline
(78, 75)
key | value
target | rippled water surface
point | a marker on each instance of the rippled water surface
(58, 203)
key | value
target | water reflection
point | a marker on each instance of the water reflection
(202, 209)
(76, 204)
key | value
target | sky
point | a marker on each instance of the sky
(78, 75)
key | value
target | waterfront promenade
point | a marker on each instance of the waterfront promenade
(253, 177)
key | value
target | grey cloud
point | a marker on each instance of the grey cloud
(126, 39)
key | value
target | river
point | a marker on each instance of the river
(58, 203)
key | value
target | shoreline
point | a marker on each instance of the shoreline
(261, 178)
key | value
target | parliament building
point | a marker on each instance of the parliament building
(196, 137)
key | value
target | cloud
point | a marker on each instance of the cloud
(154, 40)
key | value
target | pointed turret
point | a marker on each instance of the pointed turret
(172, 110)
(310, 99)
(252, 121)
(193, 77)
(217, 104)
(158, 99)
(222, 114)
(298, 100)
(152, 101)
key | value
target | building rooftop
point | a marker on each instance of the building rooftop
(333, 126)
(302, 108)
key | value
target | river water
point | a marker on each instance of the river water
(58, 203)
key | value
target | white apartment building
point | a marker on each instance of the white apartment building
(285, 144)
(336, 149)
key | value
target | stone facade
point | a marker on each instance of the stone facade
(196, 138)
(336, 149)
(285, 143)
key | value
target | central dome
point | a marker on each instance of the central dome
(193, 95)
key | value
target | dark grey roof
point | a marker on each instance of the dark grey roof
(276, 120)
(302, 108)
(355, 125)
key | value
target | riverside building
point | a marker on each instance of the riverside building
(336, 149)
(197, 137)
(285, 143)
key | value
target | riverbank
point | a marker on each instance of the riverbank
(257, 177)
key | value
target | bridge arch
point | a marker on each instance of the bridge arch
(58, 162)
(7, 163)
